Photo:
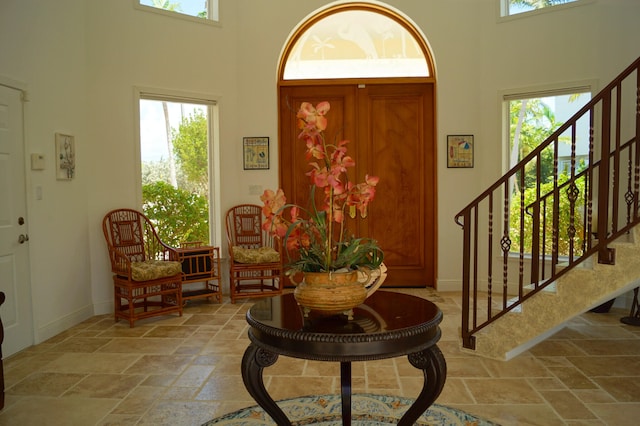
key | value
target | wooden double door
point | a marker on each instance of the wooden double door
(392, 135)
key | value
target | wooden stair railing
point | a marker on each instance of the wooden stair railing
(502, 266)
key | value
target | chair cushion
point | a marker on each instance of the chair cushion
(258, 255)
(154, 269)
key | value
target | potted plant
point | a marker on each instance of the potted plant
(337, 266)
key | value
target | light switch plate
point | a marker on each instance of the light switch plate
(37, 162)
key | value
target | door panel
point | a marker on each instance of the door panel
(395, 120)
(390, 129)
(341, 125)
(14, 271)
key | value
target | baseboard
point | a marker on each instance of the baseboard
(102, 308)
(448, 285)
(58, 326)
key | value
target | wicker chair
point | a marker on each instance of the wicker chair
(255, 257)
(147, 274)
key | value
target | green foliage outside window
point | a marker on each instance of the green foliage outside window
(190, 149)
(565, 209)
(531, 122)
(178, 215)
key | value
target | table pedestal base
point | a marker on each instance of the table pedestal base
(430, 361)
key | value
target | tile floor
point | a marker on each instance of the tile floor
(185, 370)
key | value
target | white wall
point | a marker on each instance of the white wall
(82, 59)
(42, 44)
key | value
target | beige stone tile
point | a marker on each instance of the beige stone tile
(159, 380)
(521, 366)
(194, 376)
(56, 411)
(105, 386)
(546, 383)
(584, 423)
(593, 396)
(187, 349)
(179, 413)
(282, 387)
(619, 366)
(286, 366)
(123, 330)
(159, 364)
(572, 378)
(611, 347)
(97, 362)
(502, 391)
(454, 349)
(567, 405)
(172, 331)
(330, 369)
(623, 389)
(462, 367)
(219, 388)
(142, 346)
(139, 400)
(554, 361)
(119, 420)
(81, 344)
(205, 319)
(180, 393)
(590, 331)
(17, 371)
(358, 385)
(454, 392)
(617, 414)
(225, 347)
(556, 348)
(45, 384)
(382, 377)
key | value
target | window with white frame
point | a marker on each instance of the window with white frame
(530, 119)
(179, 167)
(201, 9)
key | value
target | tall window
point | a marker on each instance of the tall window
(176, 156)
(204, 9)
(531, 119)
(514, 7)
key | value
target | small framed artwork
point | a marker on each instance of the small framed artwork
(65, 157)
(255, 152)
(459, 151)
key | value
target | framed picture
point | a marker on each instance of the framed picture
(65, 157)
(255, 152)
(459, 151)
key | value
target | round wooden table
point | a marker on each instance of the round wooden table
(386, 325)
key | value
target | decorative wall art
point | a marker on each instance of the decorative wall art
(65, 157)
(459, 151)
(256, 153)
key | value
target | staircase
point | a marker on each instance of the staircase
(523, 282)
(574, 293)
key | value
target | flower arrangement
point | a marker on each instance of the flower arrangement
(318, 234)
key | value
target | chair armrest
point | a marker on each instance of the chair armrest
(120, 262)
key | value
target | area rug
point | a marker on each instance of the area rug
(368, 410)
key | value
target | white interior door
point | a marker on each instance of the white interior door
(16, 312)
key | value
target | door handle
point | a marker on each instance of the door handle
(22, 238)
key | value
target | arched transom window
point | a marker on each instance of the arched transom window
(356, 44)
